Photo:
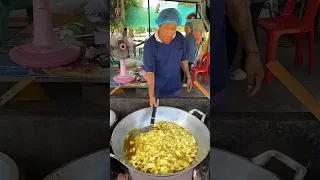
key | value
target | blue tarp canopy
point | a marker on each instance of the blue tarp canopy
(138, 16)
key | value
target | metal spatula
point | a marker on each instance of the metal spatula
(153, 117)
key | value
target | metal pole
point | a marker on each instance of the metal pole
(149, 17)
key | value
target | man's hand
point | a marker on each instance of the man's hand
(238, 12)
(123, 176)
(255, 73)
(189, 84)
(185, 68)
(153, 102)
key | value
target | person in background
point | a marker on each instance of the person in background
(164, 55)
(192, 16)
(239, 16)
(190, 48)
(232, 40)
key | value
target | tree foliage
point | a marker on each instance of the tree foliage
(116, 22)
(188, 4)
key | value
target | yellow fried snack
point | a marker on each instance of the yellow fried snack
(167, 149)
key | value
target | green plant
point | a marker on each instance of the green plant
(115, 22)
(139, 30)
(188, 4)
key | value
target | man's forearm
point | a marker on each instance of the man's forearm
(238, 12)
(185, 68)
(150, 82)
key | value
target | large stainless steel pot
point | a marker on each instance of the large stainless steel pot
(141, 119)
(229, 166)
(113, 118)
(94, 166)
(8, 168)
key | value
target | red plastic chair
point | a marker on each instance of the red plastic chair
(202, 67)
(287, 23)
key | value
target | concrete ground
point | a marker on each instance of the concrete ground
(250, 134)
(43, 136)
(275, 97)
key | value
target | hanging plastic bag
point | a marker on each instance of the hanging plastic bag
(96, 10)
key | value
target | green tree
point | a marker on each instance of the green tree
(188, 4)
(116, 22)
(139, 30)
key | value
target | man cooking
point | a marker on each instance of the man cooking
(164, 54)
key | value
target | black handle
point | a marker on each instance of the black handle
(154, 110)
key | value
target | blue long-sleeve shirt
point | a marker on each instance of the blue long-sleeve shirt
(164, 60)
(190, 47)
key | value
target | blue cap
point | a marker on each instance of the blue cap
(170, 15)
(190, 25)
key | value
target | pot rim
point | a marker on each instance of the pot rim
(114, 119)
(55, 171)
(12, 166)
(260, 160)
(163, 175)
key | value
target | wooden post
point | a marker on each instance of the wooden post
(295, 87)
(16, 89)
